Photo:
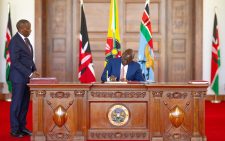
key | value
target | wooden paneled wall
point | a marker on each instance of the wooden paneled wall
(175, 24)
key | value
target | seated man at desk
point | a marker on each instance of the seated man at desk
(123, 69)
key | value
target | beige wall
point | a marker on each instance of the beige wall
(20, 9)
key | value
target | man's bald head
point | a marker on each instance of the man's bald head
(24, 27)
(127, 56)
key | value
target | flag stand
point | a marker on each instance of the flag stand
(215, 101)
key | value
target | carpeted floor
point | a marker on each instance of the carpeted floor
(5, 125)
(215, 122)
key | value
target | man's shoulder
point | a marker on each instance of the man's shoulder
(15, 37)
(15, 40)
(134, 63)
(12, 40)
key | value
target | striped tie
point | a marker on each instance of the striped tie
(27, 42)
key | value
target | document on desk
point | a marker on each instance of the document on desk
(44, 80)
(115, 82)
(198, 82)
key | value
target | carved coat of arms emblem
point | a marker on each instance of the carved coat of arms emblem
(118, 115)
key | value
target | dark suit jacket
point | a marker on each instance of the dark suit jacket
(22, 64)
(113, 67)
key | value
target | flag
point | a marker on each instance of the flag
(113, 49)
(145, 51)
(6, 53)
(86, 72)
(215, 61)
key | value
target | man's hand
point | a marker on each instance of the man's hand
(123, 79)
(112, 78)
(35, 75)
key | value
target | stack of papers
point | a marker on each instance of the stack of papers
(115, 82)
(198, 82)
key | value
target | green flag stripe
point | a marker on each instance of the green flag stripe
(108, 54)
(7, 78)
(145, 32)
(215, 85)
(114, 11)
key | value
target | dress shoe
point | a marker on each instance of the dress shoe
(17, 134)
(26, 132)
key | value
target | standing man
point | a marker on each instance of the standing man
(123, 68)
(21, 70)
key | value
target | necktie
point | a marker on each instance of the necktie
(122, 76)
(27, 42)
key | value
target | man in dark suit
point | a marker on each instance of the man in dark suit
(123, 69)
(22, 68)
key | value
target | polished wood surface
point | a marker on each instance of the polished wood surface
(156, 112)
(177, 36)
(1, 87)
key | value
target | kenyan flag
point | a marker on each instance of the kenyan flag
(215, 62)
(6, 53)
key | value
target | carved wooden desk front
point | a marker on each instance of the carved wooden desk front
(156, 112)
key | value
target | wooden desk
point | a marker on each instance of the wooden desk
(156, 112)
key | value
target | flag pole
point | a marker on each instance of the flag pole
(215, 61)
(216, 101)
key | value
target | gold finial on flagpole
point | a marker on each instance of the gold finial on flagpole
(8, 6)
(215, 9)
(81, 2)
